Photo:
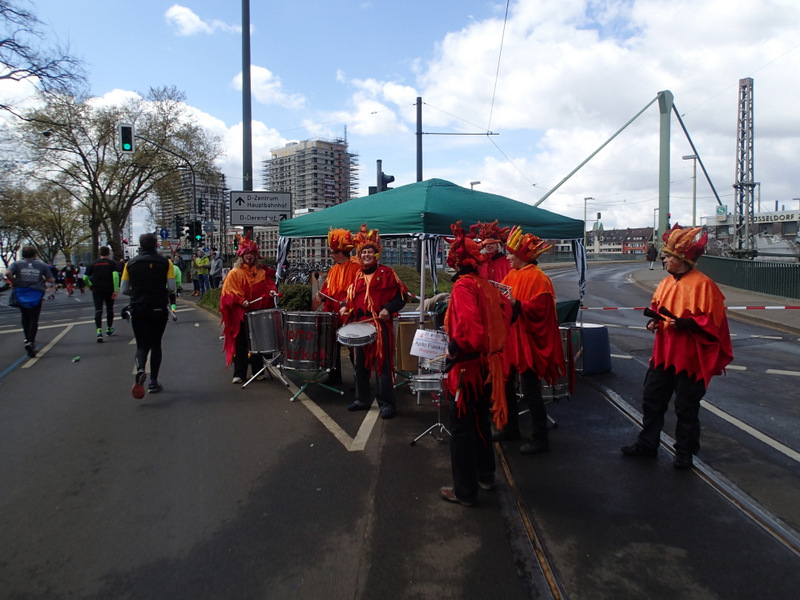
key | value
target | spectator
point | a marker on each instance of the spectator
(215, 269)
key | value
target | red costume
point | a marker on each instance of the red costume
(496, 265)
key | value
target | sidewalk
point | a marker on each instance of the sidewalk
(783, 319)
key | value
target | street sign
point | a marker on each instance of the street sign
(250, 208)
(164, 233)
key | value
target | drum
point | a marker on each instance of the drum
(357, 334)
(437, 363)
(560, 389)
(309, 341)
(591, 347)
(266, 330)
(427, 382)
(406, 325)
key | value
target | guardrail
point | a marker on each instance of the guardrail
(773, 278)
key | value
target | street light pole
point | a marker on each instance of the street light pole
(693, 158)
(585, 201)
(472, 184)
(655, 226)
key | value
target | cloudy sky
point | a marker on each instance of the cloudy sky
(554, 80)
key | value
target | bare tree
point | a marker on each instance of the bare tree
(22, 58)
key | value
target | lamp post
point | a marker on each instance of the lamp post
(693, 158)
(472, 184)
(655, 226)
(585, 201)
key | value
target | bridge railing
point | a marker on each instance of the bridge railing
(773, 278)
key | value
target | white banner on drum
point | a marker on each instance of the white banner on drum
(429, 344)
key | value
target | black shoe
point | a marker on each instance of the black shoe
(534, 447)
(683, 461)
(154, 387)
(449, 494)
(357, 406)
(505, 434)
(387, 413)
(638, 449)
(30, 350)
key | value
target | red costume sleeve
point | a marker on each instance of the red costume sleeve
(241, 284)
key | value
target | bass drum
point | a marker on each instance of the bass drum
(309, 340)
(266, 331)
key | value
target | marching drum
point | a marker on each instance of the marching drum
(427, 382)
(309, 341)
(406, 325)
(266, 330)
(357, 334)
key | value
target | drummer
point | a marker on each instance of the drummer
(477, 322)
(334, 290)
(249, 286)
(492, 238)
(534, 349)
(375, 295)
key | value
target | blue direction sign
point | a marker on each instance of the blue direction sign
(250, 208)
(164, 233)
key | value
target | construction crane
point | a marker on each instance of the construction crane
(744, 185)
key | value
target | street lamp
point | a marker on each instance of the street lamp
(472, 184)
(693, 158)
(655, 226)
(585, 201)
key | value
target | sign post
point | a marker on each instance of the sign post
(251, 209)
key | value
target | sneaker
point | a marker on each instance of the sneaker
(173, 314)
(99, 336)
(237, 380)
(154, 387)
(638, 449)
(357, 406)
(30, 349)
(683, 461)
(449, 494)
(486, 485)
(137, 391)
(387, 413)
(109, 331)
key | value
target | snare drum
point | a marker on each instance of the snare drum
(266, 331)
(357, 334)
(427, 382)
(309, 343)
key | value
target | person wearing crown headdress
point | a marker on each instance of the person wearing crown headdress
(476, 322)
(375, 296)
(493, 238)
(692, 344)
(533, 350)
(248, 286)
(334, 289)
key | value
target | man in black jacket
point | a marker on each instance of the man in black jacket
(148, 279)
(103, 279)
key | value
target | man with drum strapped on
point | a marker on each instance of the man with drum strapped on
(533, 349)
(477, 322)
(334, 290)
(375, 295)
(249, 286)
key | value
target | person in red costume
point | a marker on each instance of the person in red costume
(692, 344)
(533, 350)
(375, 296)
(249, 286)
(334, 290)
(477, 322)
(495, 266)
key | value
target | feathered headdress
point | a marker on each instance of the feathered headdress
(367, 238)
(526, 246)
(490, 233)
(340, 240)
(679, 241)
(247, 245)
(464, 250)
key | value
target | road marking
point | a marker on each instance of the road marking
(44, 350)
(625, 356)
(767, 337)
(781, 372)
(736, 368)
(794, 455)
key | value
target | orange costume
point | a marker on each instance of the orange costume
(496, 266)
(341, 276)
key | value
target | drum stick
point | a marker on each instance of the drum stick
(328, 297)
(664, 311)
(649, 312)
(256, 300)
(458, 389)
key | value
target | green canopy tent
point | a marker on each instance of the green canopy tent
(429, 207)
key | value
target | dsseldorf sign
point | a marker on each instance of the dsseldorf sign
(250, 208)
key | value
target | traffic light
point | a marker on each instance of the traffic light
(201, 206)
(385, 181)
(198, 233)
(127, 144)
(178, 227)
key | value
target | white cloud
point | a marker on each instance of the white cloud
(268, 89)
(187, 23)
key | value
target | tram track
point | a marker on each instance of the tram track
(758, 514)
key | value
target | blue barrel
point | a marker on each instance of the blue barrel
(591, 347)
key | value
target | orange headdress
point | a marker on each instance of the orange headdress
(464, 250)
(247, 245)
(679, 241)
(367, 238)
(490, 233)
(526, 246)
(340, 240)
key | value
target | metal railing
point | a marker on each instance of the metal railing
(773, 278)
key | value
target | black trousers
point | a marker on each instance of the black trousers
(385, 385)
(531, 392)
(148, 323)
(103, 299)
(242, 357)
(30, 322)
(471, 452)
(659, 385)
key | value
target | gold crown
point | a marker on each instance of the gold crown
(526, 246)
